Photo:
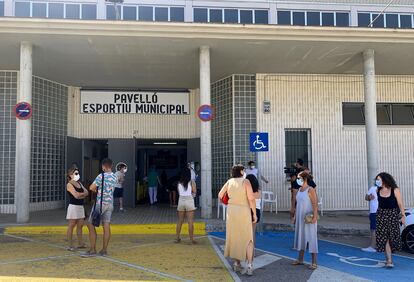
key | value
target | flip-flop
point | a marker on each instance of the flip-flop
(296, 262)
(82, 247)
(71, 249)
(313, 266)
(177, 241)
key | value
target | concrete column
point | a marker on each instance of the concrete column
(205, 140)
(371, 130)
(23, 137)
(188, 11)
(8, 8)
(101, 10)
(272, 13)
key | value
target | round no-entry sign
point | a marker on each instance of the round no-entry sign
(205, 113)
(23, 110)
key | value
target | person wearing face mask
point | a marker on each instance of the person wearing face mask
(251, 169)
(390, 212)
(121, 170)
(371, 197)
(76, 212)
(306, 231)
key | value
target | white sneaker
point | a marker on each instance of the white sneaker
(369, 249)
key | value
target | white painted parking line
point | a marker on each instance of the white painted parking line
(224, 260)
(264, 260)
(324, 274)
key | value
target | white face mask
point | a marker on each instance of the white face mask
(76, 177)
(125, 170)
(252, 167)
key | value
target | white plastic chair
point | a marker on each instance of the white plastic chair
(270, 198)
(320, 206)
(223, 206)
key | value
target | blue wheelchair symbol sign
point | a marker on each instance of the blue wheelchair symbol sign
(259, 142)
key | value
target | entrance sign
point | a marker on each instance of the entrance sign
(23, 110)
(259, 142)
(134, 102)
(205, 113)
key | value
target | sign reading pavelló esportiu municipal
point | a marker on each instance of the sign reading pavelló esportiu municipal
(134, 102)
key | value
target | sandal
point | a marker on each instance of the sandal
(178, 240)
(389, 264)
(237, 267)
(83, 246)
(297, 262)
(313, 266)
(71, 249)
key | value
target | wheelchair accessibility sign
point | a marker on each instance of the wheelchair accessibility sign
(259, 142)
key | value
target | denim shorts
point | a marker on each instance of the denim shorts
(372, 221)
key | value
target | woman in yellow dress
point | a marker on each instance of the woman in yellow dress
(240, 210)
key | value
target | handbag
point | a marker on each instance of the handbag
(96, 215)
(309, 218)
(225, 199)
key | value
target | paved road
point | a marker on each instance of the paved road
(337, 261)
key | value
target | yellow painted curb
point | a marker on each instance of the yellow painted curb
(118, 229)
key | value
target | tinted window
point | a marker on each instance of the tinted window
(56, 10)
(231, 16)
(72, 11)
(364, 19)
(403, 114)
(313, 18)
(22, 9)
(88, 11)
(176, 14)
(283, 18)
(261, 17)
(353, 114)
(161, 14)
(406, 21)
(39, 10)
(1, 9)
(129, 13)
(200, 15)
(342, 19)
(383, 114)
(298, 18)
(392, 20)
(379, 20)
(110, 12)
(246, 16)
(298, 145)
(145, 13)
(216, 16)
(328, 19)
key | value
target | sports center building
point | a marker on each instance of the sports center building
(330, 81)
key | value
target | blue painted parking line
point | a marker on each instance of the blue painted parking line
(344, 258)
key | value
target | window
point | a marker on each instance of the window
(298, 146)
(246, 16)
(200, 15)
(383, 114)
(313, 18)
(378, 21)
(216, 16)
(177, 14)
(1, 8)
(261, 17)
(328, 19)
(88, 12)
(161, 14)
(56, 10)
(22, 9)
(39, 10)
(353, 114)
(110, 12)
(298, 18)
(145, 13)
(406, 21)
(342, 19)
(364, 19)
(129, 13)
(283, 18)
(392, 20)
(403, 114)
(72, 11)
(231, 16)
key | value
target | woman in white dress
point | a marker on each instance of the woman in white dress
(306, 233)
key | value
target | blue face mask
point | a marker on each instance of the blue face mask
(299, 181)
(378, 183)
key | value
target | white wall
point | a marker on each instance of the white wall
(103, 126)
(339, 154)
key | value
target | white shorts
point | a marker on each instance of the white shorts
(186, 203)
(75, 212)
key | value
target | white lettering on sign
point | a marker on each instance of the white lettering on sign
(134, 102)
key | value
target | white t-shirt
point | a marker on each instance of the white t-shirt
(183, 192)
(373, 204)
(253, 171)
(119, 175)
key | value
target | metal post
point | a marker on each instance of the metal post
(371, 130)
(23, 137)
(205, 138)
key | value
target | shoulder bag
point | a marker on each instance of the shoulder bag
(96, 215)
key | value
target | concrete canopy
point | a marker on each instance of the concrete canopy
(165, 55)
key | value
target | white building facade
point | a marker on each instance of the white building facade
(335, 77)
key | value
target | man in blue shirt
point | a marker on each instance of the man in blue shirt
(105, 193)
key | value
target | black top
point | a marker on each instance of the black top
(387, 202)
(73, 200)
